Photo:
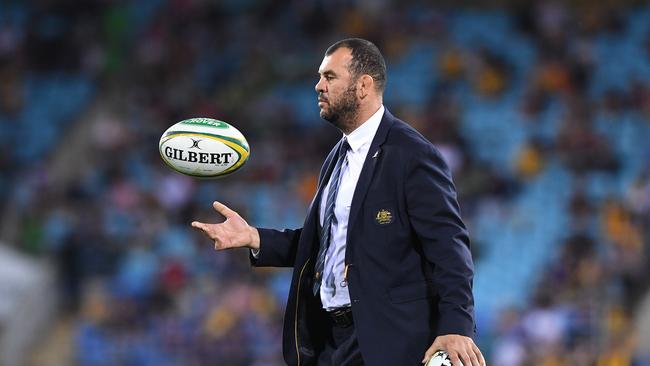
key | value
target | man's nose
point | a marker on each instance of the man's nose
(320, 86)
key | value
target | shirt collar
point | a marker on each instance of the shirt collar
(366, 131)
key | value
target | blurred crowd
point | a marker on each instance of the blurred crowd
(141, 288)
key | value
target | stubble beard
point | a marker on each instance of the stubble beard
(344, 112)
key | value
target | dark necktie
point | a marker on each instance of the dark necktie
(329, 215)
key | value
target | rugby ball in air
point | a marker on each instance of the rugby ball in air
(204, 148)
(441, 358)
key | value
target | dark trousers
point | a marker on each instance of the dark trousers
(341, 348)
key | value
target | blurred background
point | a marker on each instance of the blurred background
(542, 110)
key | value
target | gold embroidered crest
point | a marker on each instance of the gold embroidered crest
(384, 217)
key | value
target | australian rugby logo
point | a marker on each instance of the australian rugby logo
(384, 217)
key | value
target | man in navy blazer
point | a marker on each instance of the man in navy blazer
(404, 260)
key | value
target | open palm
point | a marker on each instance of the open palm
(232, 233)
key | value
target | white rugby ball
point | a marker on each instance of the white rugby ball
(441, 358)
(203, 147)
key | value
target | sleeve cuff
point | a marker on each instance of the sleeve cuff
(451, 324)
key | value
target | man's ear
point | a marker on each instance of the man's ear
(365, 85)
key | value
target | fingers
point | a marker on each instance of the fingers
(199, 225)
(213, 232)
(461, 350)
(234, 232)
(223, 209)
(205, 228)
(468, 358)
(455, 360)
(480, 360)
(428, 354)
(432, 350)
(464, 358)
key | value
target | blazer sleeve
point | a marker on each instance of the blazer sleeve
(435, 217)
(277, 248)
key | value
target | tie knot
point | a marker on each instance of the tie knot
(345, 146)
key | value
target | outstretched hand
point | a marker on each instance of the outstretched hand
(460, 349)
(234, 232)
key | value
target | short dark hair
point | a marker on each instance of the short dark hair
(366, 59)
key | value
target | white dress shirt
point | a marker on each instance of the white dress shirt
(333, 290)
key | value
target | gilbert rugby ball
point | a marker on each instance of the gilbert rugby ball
(441, 358)
(204, 148)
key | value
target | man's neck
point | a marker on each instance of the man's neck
(365, 112)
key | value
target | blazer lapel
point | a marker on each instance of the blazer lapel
(374, 154)
(325, 173)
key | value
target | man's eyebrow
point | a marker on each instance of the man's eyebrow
(327, 73)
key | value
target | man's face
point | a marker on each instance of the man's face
(337, 97)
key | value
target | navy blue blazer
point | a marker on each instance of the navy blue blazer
(410, 267)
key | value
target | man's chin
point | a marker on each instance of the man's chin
(324, 115)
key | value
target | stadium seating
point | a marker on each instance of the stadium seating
(144, 289)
